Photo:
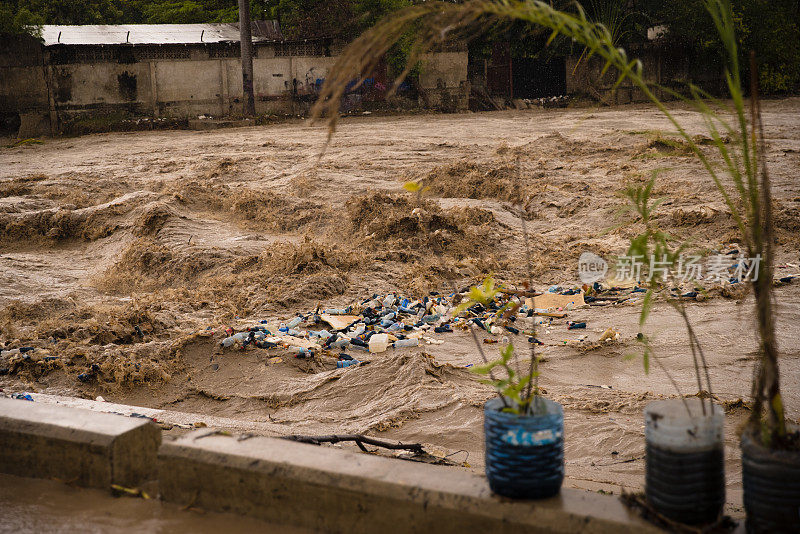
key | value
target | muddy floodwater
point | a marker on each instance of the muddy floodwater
(125, 256)
(31, 506)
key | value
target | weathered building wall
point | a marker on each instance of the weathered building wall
(61, 81)
(22, 89)
(101, 86)
(187, 88)
(22, 83)
(310, 72)
(24, 95)
(443, 80)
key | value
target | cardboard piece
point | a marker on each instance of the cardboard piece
(554, 300)
(338, 322)
(627, 283)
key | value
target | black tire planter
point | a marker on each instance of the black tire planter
(524, 454)
(771, 480)
(685, 461)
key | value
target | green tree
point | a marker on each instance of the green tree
(73, 11)
(14, 21)
(771, 28)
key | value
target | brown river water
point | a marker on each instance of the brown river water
(176, 232)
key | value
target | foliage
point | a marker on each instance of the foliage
(511, 388)
(299, 18)
(655, 243)
(771, 28)
(19, 21)
(71, 11)
(187, 12)
(521, 388)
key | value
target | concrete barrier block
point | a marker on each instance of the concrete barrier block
(33, 125)
(326, 489)
(90, 448)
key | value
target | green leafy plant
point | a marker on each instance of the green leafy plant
(654, 243)
(742, 180)
(516, 388)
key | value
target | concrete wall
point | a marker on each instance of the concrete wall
(59, 82)
(321, 489)
(22, 89)
(22, 83)
(443, 80)
(448, 69)
(185, 88)
(90, 448)
(101, 85)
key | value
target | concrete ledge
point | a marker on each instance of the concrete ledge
(326, 489)
(90, 448)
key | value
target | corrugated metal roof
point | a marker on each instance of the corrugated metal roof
(263, 30)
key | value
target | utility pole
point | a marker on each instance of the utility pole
(246, 42)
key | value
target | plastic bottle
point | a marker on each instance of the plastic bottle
(388, 300)
(341, 343)
(394, 327)
(294, 322)
(322, 334)
(341, 364)
(410, 342)
(378, 343)
(430, 319)
(338, 311)
(360, 329)
(240, 337)
(359, 343)
(300, 352)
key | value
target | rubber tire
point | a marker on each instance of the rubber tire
(686, 487)
(771, 480)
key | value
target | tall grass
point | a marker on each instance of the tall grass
(742, 181)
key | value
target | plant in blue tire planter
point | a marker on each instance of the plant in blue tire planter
(524, 453)
(523, 431)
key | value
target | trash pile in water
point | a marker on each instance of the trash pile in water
(395, 321)
(12, 360)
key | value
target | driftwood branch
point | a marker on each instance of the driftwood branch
(359, 440)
